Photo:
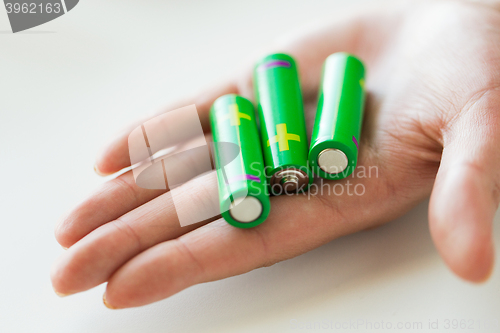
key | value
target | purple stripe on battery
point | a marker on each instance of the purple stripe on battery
(355, 141)
(275, 63)
(244, 177)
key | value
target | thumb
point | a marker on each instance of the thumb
(467, 190)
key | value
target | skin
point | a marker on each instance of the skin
(432, 127)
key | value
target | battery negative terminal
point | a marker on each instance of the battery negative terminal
(332, 161)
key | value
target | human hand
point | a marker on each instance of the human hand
(431, 126)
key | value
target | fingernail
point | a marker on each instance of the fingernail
(98, 171)
(106, 304)
(61, 294)
(64, 248)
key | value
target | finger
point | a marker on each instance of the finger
(133, 189)
(93, 259)
(115, 155)
(113, 199)
(466, 192)
(217, 250)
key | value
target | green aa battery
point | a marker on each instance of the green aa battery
(282, 124)
(243, 196)
(337, 128)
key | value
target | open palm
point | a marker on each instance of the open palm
(431, 126)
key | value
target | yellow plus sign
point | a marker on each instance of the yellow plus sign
(282, 138)
(235, 115)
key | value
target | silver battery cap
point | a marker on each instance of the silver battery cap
(332, 161)
(246, 210)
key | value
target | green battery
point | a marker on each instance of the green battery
(336, 135)
(282, 124)
(243, 195)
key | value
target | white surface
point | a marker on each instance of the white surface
(246, 209)
(68, 85)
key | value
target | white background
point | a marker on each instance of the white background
(67, 86)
